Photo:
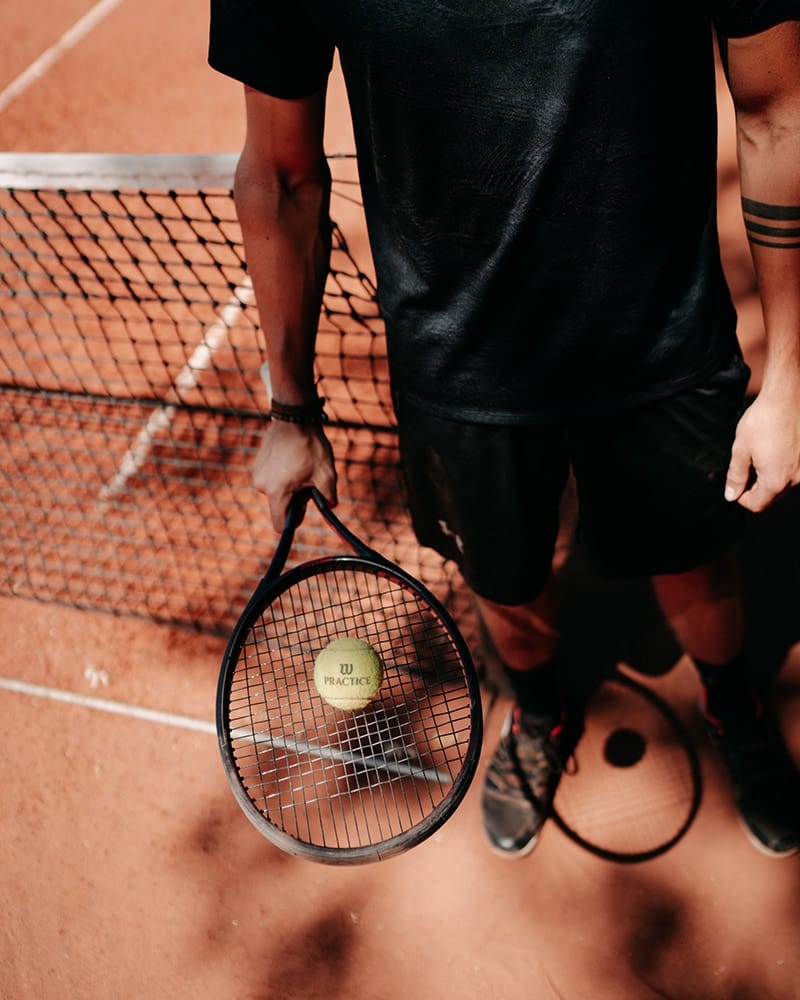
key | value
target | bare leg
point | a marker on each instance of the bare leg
(704, 609)
(524, 639)
(524, 635)
(538, 736)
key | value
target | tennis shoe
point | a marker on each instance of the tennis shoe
(765, 780)
(522, 778)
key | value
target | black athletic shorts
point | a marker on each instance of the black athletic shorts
(649, 480)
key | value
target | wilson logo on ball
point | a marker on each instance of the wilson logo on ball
(348, 684)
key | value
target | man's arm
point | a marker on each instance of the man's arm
(282, 189)
(764, 76)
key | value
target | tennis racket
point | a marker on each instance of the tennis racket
(346, 785)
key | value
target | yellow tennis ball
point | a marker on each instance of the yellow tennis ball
(348, 673)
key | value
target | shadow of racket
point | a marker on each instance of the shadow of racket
(636, 785)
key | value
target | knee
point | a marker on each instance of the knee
(523, 635)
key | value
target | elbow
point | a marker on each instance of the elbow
(765, 125)
(262, 189)
(285, 177)
(763, 74)
(767, 114)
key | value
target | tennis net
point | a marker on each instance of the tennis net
(131, 394)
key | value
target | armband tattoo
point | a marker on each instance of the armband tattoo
(771, 225)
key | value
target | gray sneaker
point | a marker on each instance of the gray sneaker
(522, 778)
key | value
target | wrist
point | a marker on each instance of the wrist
(781, 378)
(307, 414)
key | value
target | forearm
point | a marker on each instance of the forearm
(286, 233)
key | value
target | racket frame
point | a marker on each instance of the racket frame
(272, 585)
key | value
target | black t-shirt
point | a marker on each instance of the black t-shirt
(539, 181)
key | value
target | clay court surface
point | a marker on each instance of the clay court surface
(128, 870)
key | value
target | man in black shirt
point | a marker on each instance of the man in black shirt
(539, 185)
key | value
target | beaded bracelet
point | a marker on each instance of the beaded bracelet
(303, 414)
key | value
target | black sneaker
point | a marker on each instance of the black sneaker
(765, 780)
(522, 779)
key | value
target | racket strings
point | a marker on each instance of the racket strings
(337, 778)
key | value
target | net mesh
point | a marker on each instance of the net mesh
(132, 400)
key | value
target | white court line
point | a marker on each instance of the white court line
(49, 57)
(105, 705)
(188, 378)
(398, 767)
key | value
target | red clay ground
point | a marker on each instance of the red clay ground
(128, 870)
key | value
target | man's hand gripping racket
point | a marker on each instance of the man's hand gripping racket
(348, 708)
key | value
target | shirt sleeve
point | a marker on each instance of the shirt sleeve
(740, 18)
(267, 46)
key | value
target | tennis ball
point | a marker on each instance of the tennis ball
(348, 673)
